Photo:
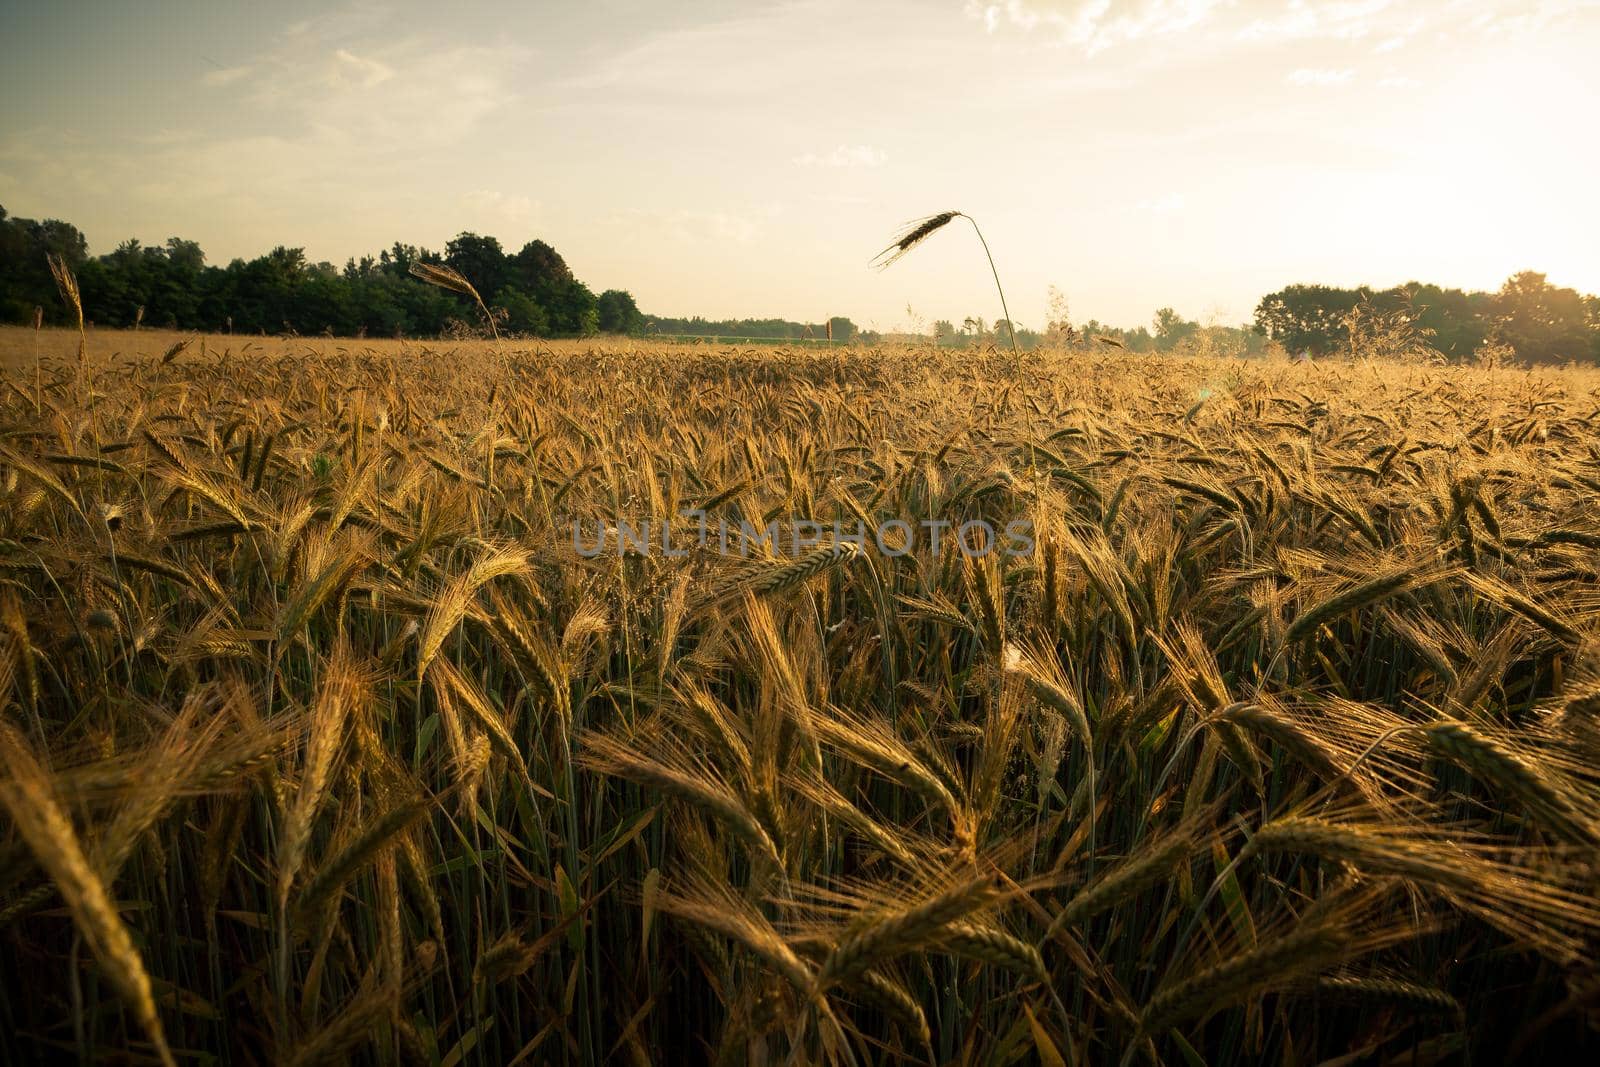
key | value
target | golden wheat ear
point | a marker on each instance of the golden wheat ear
(914, 234)
(920, 230)
(448, 278)
(28, 795)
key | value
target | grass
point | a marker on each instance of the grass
(322, 742)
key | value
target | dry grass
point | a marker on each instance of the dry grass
(321, 741)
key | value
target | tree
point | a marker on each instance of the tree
(480, 260)
(1591, 306)
(1171, 329)
(1459, 322)
(1306, 317)
(523, 313)
(170, 284)
(618, 313)
(25, 280)
(1543, 323)
(538, 268)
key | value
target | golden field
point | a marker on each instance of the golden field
(323, 741)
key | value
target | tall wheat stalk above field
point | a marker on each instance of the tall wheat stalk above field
(68, 284)
(921, 230)
(447, 278)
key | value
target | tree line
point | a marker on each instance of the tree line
(1528, 319)
(533, 292)
(1168, 332)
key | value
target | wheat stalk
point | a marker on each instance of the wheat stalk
(26, 796)
(449, 278)
(920, 230)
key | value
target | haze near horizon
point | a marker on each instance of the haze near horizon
(733, 160)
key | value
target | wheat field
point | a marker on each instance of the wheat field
(323, 742)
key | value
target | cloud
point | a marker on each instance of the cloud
(1520, 19)
(326, 127)
(223, 76)
(1095, 25)
(1348, 20)
(351, 69)
(689, 227)
(844, 156)
(388, 97)
(1322, 78)
(1398, 81)
(496, 206)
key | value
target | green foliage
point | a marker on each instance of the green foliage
(282, 292)
(764, 329)
(618, 313)
(1172, 329)
(25, 281)
(1541, 323)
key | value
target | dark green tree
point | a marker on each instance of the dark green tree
(1543, 323)
(1171, 329)
(480, 260)
(523, 313)
(618, 313)
(1306, 317)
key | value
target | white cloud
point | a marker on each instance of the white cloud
(844, 156)
(495, 206)
(351, 69)
(1398, 81)
(223, 76)
(689, 227)
(429, 96)
(1508, 19)
(1095, 25)
(1320, 77)
(1301, 20)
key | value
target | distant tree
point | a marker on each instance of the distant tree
(398, 258)
(1459, 322)
(480, 260)
(1306, 317)
(185, 256)
(618, 313)
(1171, 329)
(1543, 323)
(523, 313)
(25, 281)
(842, 328)
(1591, 317)
(538, 268)
(171, 285)
(285, 265)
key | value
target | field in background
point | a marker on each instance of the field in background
(321, 740)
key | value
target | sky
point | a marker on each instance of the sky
(734, 159)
